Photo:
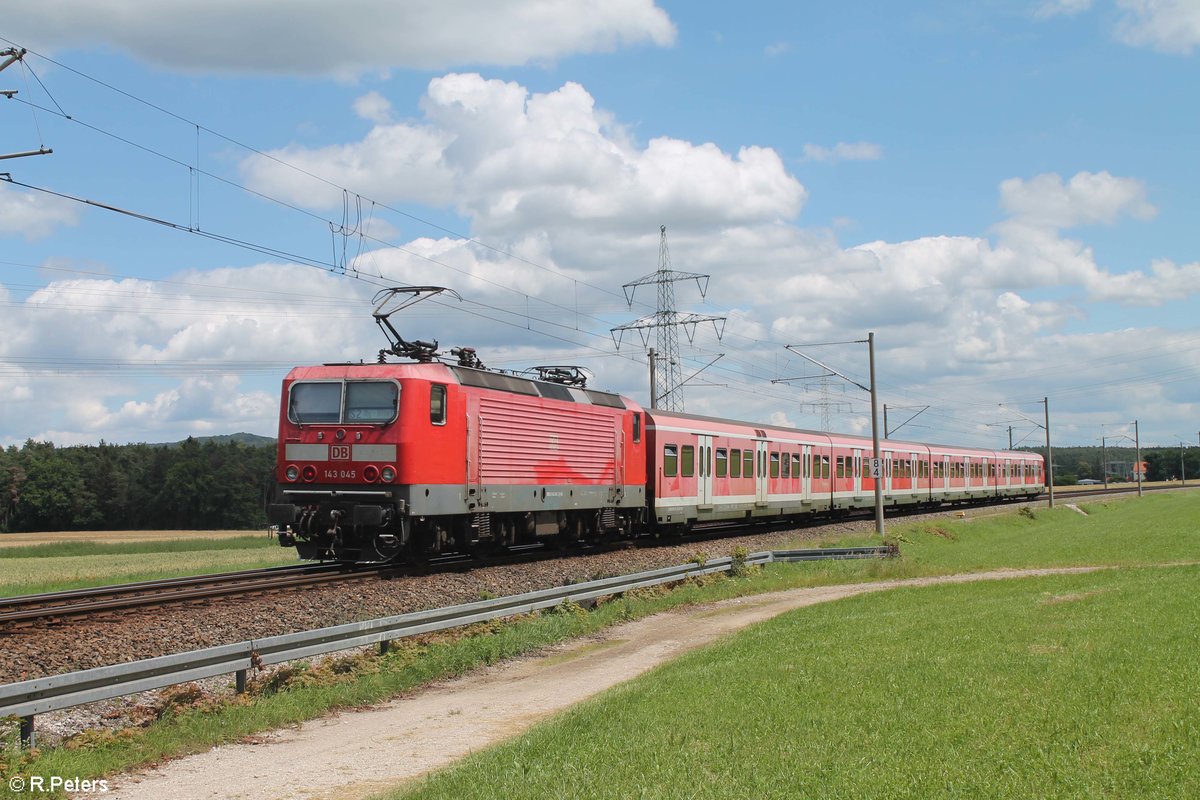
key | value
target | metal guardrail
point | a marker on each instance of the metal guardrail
(41, 695)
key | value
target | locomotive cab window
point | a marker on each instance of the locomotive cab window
(335, 402)
(637, 428)
(437, 404)
(371, 401)
(315, 403)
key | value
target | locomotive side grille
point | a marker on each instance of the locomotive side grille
(483, 525)
(519, 442)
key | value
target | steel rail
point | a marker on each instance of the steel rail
(41, 695)
(184, 581)
(58, 605)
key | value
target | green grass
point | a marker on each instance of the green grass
(74, 565)
(86, 548)
(1071, 686)
(1153, 530)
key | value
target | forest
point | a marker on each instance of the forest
(1162, 463)
(217, 484)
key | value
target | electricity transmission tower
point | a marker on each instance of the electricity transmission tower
(666, 390)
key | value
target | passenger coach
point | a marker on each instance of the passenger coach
(706, 469)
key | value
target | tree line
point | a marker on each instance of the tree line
(198, 484)
(1162, 463)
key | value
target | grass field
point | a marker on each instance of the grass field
(114, 537)
(905, 693)
(1072, 686)
(76, 563)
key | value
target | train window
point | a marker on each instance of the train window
(315, 403)
(371, 401)
(437, 404)
(735, 463)
(840, 467)
(722, 462)
(637, 428)
(688, 461)
(747, 463)
(774, 465)
(785, 466)
(670, 460)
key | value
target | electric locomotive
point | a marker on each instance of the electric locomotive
(376, 460)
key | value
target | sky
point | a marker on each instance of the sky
(1003, 193)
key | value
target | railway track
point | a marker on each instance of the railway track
(35, 609)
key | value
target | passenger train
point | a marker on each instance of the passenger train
(380, 462)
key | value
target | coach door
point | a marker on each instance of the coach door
(806, 467)
(704, 476)
(760, 472)
(857, 471)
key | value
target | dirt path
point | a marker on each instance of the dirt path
(354, 754)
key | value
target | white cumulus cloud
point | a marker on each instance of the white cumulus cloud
(1086, 199)
(515, 161)
(311, 38)
(1171, 26)
(33, 215)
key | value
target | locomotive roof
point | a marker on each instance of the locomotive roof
(481, 378)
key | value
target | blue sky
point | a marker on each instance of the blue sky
(1002, 191)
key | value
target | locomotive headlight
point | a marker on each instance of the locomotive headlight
(371, 473)
(292, 473)
(388, 474)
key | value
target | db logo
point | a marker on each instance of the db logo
(339, 452)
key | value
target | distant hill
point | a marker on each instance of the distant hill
(248, 439)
